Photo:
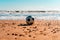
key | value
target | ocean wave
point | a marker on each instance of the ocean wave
(18, 16)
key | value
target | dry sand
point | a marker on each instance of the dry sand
(19, 30)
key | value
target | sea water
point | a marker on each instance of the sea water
(19, 16)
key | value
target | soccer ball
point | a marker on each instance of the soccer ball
(29, 20)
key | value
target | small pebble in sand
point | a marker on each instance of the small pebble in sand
(54, 32)
(44, 34)
(34, 37)
(21, 35)
(29, 30)
(16, 34)
(29, 35)
(13, 23)
(7, 33)
(41, 32)
(12, 33)
(15, 38)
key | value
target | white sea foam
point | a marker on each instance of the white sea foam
(18, 16)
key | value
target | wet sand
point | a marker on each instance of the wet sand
(19, 30)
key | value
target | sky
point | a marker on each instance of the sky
(29, 4)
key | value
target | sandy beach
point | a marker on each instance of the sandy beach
(40, 30)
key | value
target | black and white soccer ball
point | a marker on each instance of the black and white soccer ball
(29, 20)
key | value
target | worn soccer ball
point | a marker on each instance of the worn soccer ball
(29, 20)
